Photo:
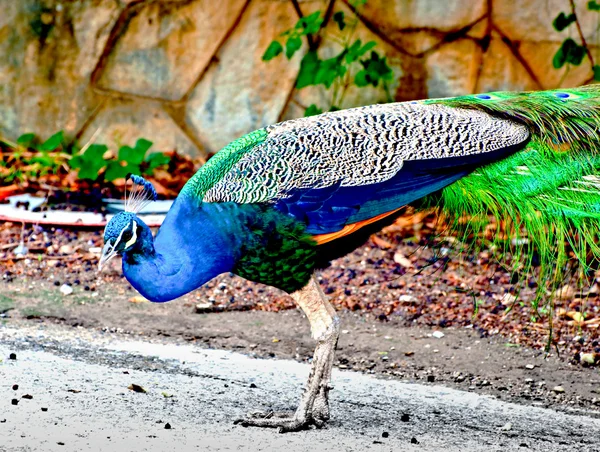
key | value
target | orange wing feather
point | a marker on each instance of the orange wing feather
(350, 228)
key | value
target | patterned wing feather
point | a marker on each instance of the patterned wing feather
(355, 164)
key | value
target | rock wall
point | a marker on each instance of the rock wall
(188, 75)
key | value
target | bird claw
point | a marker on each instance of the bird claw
(284, 421)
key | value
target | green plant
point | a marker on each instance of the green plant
(570, 52)
(29, 159)
(356, 63)
(129, 159)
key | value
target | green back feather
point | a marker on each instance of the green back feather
(217, 166)
(551, 189)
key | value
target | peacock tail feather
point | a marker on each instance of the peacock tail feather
(550, 189)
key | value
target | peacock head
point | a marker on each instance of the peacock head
(125, 231)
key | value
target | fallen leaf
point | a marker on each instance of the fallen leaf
(381, 243)
(138, 299)
(400, 259)
(136, 388)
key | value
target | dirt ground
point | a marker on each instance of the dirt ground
(392, 297)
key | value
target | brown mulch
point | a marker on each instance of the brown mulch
(395, 275)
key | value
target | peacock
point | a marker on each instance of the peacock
(281, 202)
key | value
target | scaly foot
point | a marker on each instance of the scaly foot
(284, 421)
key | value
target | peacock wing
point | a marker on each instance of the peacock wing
(351, 166)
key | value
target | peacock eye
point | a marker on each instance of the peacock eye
(127, 235)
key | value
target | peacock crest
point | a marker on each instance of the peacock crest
(141, 194)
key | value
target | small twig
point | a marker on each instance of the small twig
(311, 41)
(580, 32)
(91, 140)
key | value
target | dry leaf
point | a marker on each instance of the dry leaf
(136, 388)
(401, 259)
(138, 299)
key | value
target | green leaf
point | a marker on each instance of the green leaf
(376, 69)
(155, 160)
(338, 18)
(26, 139)
(90, 163)
(329, 70)
(361, 79)
(352, 51)
(52, 143)
(596, 70)
(368, 46)
(312, 110)
(142, 145)
(76, 162)
(87, 173)
(115, 170)
(310, 24)
(593, 6)
(274, 49)
(292, 45)
(308, 69)
(136, 154)
(562, 21)
(559, 58)
(356, 50)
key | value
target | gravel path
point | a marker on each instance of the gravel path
(82, 378)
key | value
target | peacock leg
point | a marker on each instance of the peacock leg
(314, 404)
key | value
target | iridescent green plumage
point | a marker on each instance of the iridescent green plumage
(216, 168)
(551, 189)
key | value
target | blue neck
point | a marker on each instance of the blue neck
(195, 243)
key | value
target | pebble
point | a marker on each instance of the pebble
(385, 434)
(65, 289)
(558, 389)
(407, 299)
(405, 417)
(66, 249)
(587, 358)
(15, 387)
(27, 396)
(168, 426)
(529, 366)
(414, 441)
(438, 334)
(44, 409)
(15, 401)
(506, 427)
(12, 356)
(430, 378)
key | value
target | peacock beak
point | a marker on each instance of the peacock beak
(108, 252)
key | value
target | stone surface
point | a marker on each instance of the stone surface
(452, 70)
(75, 65)
(501, 71)
(239, 92)
(539, 56)
(46, 57)
(396, 18)
(353, 96)
(532, 20)
(167, 45)
(122, 122)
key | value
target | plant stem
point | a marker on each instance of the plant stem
(580, 32)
